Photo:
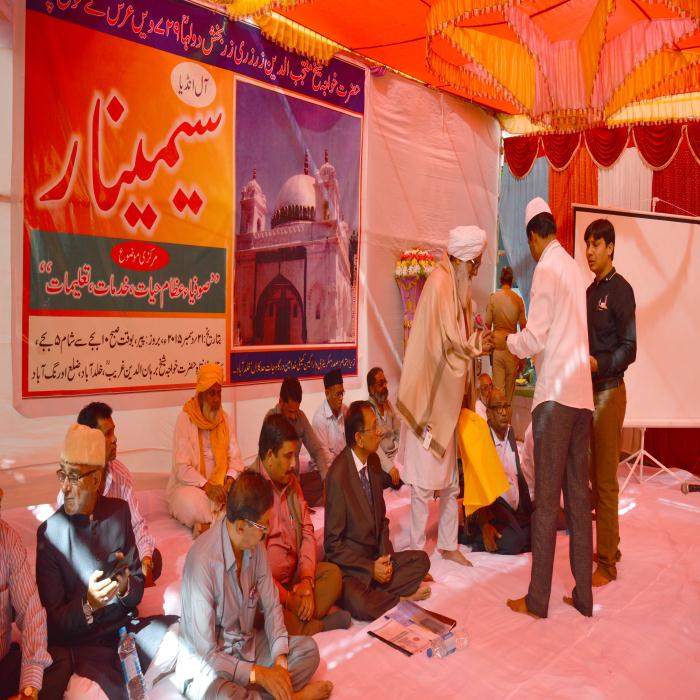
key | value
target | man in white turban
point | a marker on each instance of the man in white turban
(436, 380)
(206, 458)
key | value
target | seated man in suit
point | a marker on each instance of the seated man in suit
(86, 599)
(504, 526)
(117, 483)
(356, 535)
(307, 589)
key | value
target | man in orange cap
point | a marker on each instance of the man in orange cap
(206, 458)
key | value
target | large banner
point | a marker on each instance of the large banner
(191, 195)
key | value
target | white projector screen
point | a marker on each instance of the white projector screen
(659, 255)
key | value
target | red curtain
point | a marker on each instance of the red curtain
(579, 184)
(520, 153)
(693, 134)
(606, 145)
(658, 144)
(678, 186)
(560, 148)
(675, 447)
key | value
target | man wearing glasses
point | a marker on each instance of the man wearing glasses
(504, 526)
(329, 419)
(225, 581)
(89, 575)
(117, 483)
(356, 534)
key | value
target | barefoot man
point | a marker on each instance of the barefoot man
(561, 411)
(438, 374)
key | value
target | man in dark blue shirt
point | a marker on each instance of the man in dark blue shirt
(612, 340)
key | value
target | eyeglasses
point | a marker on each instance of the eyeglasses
(257, 526)
(499, 407)
(370, 429)
(73, 479)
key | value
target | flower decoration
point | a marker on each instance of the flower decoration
(414, 263)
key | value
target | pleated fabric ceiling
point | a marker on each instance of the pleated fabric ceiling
(563, 65)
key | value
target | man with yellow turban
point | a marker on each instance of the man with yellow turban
(206, 458)
(438, 372)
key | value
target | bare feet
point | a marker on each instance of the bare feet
(520, 606)
(456, 556)
(318, 690)
(198, 529)
(428, 578)
(423, 593)
(599, 578)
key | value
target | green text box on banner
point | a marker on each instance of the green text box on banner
(94, 273)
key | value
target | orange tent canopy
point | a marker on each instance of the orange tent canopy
(564, 64)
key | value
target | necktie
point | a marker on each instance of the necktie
(364, 478)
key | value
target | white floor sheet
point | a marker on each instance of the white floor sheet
(642, 642)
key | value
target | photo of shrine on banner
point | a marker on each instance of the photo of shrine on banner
(130, 207)
(297, 235)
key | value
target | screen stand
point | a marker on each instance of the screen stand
(636, 460)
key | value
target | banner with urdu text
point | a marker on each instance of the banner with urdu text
(144, 251)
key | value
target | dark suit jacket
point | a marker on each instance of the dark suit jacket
(69, 549)
(355, 533)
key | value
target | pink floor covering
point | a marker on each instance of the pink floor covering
(642, 642)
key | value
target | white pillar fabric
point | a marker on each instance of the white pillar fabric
(627, 185)
(432, 165)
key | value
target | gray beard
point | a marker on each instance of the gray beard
(463, 291)
(208, 413)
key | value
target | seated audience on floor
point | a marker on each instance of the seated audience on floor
(117, 483)
(206, 458)
(289, 407)
(329, 419)
(389, 426)
(307, 589)
(21, 665)
(226, 579)
(504, 526)
(483, 394)
(86, 599)
(356, 535)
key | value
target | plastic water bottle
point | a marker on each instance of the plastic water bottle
(131, 666)
(448, 643)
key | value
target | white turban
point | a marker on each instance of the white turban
(466, 242)
(83, 445)
(534, 207)
(208, 375)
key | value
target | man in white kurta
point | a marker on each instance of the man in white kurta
(206, 457)
(556, 335)
(438, 372)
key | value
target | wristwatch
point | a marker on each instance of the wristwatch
(29, 692)
(87, 611)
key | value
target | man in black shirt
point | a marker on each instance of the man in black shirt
(612, 340)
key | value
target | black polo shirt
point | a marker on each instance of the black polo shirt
(612, 329)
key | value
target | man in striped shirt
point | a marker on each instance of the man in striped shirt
(117, 483)
(21, 670)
